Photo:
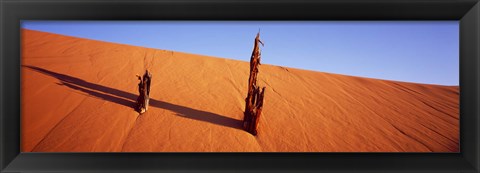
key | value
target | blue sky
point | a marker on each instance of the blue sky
(411, 51)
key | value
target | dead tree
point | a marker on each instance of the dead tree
(147, 78)
(144, 92)
(254, 100)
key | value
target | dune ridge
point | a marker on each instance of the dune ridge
(78, 96)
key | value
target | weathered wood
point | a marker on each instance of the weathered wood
(144, 92)
(254, 100)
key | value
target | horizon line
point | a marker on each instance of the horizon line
(232, 59)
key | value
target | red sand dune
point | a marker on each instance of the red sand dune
(78, 96)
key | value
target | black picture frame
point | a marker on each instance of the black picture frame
(465, 11)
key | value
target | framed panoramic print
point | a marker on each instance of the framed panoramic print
(240, 86)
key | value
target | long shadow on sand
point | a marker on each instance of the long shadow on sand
(129, 99)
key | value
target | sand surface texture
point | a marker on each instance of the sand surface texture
(78, 95)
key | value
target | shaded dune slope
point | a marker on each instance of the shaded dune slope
(78, 95)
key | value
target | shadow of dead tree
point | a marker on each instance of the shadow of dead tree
(129, 99)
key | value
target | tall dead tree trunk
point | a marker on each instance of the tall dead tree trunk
(144, 92)
(254, 100)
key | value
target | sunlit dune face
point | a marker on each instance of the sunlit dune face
(78, 95)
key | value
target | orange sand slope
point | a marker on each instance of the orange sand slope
(79, 94)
